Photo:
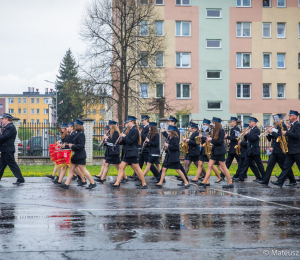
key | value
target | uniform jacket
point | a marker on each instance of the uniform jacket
(109, 144)
(194, 148)
(7, 138)
(153, 144)
(253, 141)
(173, 155)
(203, 141)
(293, 138)
(79, 146)
(233, 139)
(219, 145)
(132, 142)
(69, 139)
(244, 147)
(165, 134)
(272, 138)
(144, 134)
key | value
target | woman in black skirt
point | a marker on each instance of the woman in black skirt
(79, 156)
(132, 140)
(172, 160)
(103, 161)
(218, 153)
(153, 143)
(112, 154)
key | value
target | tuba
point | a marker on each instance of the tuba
(282, 140)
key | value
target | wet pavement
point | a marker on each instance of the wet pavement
(39, 220)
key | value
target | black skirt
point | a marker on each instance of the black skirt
(79, 161)
(130, 160)
(193, 158)
(175, 165)
(186, 157)
(219, 157)
(203, 158)
(153, 159)
(113, 159)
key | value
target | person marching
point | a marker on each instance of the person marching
(7, 148)
(277, 155)
(234, 133)
(154, 152)
(79, 156)
(293, 155)
(253, 152)
(132, 140)
(172, 160)
(218, 153)
(112, 153)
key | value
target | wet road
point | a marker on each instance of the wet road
(39, 220)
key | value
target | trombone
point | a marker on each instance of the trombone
(266, 132)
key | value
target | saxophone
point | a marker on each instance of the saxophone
(282, 140)
(184, 147)
(238, 147)
(207, 148)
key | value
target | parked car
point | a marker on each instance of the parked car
(35, 145)
(20, 146)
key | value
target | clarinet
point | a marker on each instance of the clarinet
(102, 142)
(164, 148)
(144, 142)
(115, 144)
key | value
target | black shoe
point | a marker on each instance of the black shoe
(138, 184)
(56, 182)
(291, 184)
(124, 180)
(64, 186)
(153, 178)
(276, 176)
(228, 186)
(239, 180)
(142, 187)
(91, 186)
(81, 183)
(218, 181)
(180, 184)
(194, 181)
(187, 186)
(201, 184)
(297, 180)
(235, 179)
(257, 179)
(74, 178)
(115, 186)
(98, 177)
(99, 180)
(277, 183)
(222, 178)
(179, 179)
(79, 179)
(157, 181)
(18, 182)
(135, 178)
(158, 186)
(178, 176)
(50, 176)
(262, 182)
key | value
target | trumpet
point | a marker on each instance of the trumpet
(104, 140)
(266, 132)
(125, 131)
(164, 148)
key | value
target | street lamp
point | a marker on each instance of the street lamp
(55, 99)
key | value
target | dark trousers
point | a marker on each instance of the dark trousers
(143, 158)
(252, 167)
(247, 163)
(288, 164)
(273, 159)
(8, 159)
(180, 168)
(229, 161)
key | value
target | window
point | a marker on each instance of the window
(32, 111)
(243, 91)
(183, 120)
(183, 91)
(213, 44)
(280, 60)
(266, 3)
(102, 111)
(243, 60)
(183, 2)
(11, 111)
(32, 121)
(32, 100)
(1, 105)
(280, 3)
(266, 60)
(37, 111)
(10, 101)
(280, 91)
(47, 101)
(243, 29)
(243, 3)
(266, 30)
(38, 121)
(213, 13)
(214, 74)
(46, 111)
(280, 30)
(159, 59)
(183, 28)
(46, 121)
(159, 28)
(88, 111)
(144, 59)
(144, 90)
(266, 120)
(144, 2)
(19, 100)
(266, 91)
(144, 28)
(24, 111)
(24, 100)
(159, 90)
(19, 111)
(244, 119)
(159, 2)
(183, 59)
(37, 100)
(214, 105)
(94, 111)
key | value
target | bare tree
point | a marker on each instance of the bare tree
(123, 49)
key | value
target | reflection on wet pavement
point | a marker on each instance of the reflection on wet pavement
(39, 220)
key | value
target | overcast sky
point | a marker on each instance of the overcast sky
(34, 37)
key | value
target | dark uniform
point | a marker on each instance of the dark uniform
(112, 156)
(232, 151)
(144, 154)
(218, 149)
(172, 160)
(131, 140)
(194, 148)
(78, 148)
(203, 157)
(7, 148)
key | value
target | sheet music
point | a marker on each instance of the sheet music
(237, 133)
(182, 131)
(163, 125)
(276, 118)
(204, 128)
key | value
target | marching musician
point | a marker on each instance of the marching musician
(253, 152)
(172, 160)
(277, 155)
(293, 155)
(133, 141)
(106, 129)
(218, 153)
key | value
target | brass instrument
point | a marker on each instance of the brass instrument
(104, 140)
(184, 146)
(207, 148)
(282, 140)
(266, 132)
(164, 148)
(125, 131)
(198, 138)
(238, 147)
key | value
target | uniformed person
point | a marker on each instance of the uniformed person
(293, 155)
(7, 148)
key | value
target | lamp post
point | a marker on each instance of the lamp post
(55, 99)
